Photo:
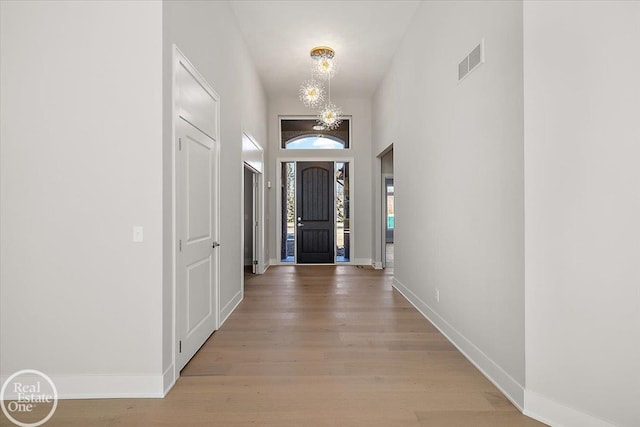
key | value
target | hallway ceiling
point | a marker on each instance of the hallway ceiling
(364, 34)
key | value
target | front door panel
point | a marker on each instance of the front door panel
(315, 212)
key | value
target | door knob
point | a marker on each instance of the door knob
(300, 224)
(215, 245)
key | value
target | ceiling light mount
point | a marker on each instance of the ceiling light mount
(322, 52)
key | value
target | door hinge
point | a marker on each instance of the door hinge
(180, 347)
(179, 144)
(255, 262)
(180, 245)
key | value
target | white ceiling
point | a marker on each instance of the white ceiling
(364, 34)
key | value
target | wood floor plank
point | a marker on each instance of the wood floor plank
(316, 346)
(475, 419)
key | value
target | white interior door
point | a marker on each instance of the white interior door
(254, 262)
(197, 207)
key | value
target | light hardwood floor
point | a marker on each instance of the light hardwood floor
(317, 346)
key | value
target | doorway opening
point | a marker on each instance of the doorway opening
(252, 206)
(388, 207)
(250, 220)
(315, 219)
(389, 221)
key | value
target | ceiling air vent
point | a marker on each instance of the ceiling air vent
(471, 61)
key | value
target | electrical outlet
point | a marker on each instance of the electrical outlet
(437, 295)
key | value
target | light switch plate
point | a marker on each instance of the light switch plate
(138, 233)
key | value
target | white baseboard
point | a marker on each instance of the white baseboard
(229, 307)
(361, 261)
(169, 379)
(494, 373)
(105, 386)
(556, 414)
(377, 265)
(262, 268)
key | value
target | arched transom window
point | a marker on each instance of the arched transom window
(305, 134)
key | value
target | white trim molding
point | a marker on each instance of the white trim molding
(168, 379)
(490, 369)
(556, 414)
(108, 386)
(230, 307)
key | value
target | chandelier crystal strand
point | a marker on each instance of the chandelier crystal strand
(331, 115)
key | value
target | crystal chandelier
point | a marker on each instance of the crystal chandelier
(312, 93)
(325, 65)
(330, 116)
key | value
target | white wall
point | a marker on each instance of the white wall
(582, 186)
(86, 154)
(361, 224)
(458, 179)
(206, 32)
(81, 163)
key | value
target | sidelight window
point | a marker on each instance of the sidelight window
(343, 232)
(288, 199)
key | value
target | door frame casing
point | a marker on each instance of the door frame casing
(258, 170)
(352, 203)
(254, 223)
(258, 214)
(178, 56)
(378, 210)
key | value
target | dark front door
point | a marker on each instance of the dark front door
(315, 212)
